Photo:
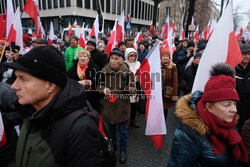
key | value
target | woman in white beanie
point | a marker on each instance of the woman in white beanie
(131, 59)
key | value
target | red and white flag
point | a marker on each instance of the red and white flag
(51, 34)
(82, 38)
(9, 17)
(2, 133)
(32, 9)
(137, 39)
(95, 29)
(238, 36)
(196, 35)
(173, 26)
(2, 27)
(43, 32)
(206, 31)
(152, 87)
(152, 29)
(75, 23)
(182, 33)
(112, 42)
(120, 30)
(16, 31)
(213, 24)
(221, 48)
(70, 32)
(166, 29)
(192, 22)
(108, 31)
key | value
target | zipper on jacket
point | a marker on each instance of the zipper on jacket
(28, 157)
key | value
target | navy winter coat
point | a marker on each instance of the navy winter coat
(191, 145)
(142, 55)
(182, 61)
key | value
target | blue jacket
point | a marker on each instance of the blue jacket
(191, 145)
(142, 55)
(182, 61)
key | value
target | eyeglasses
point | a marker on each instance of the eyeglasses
(133, 55)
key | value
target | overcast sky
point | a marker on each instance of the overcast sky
(244, 8)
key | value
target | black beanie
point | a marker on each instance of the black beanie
(190, 44)
(91, 43)
(44, 62)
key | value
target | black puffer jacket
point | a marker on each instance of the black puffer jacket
(191, 145)
(82, 147)
(99, 58)
(188, 78)
(243, 89)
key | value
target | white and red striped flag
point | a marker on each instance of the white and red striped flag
(221, 48)
(51, 34)
(95, 29)
(182, 33)
(70, 30)
(9, 17)
(166, 29)
(112, 42)
(152, 29)
(196, 35)
(2, 133)
(152, 87)
(213, 24)
(238, 36)
(75, 23)
(82, 38)
(32, 9)
(206, 31)
(16, 31)
(173, 26)
(192, 22)
(137, 39)
(120, 30)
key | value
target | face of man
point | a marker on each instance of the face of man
(115, 61)
(184, 43)
(142, 47)
(191, 48)
(36, 44)
(90, 47)
(31, 90)
(73, 42)
(197, 61)
(9, 55)
(245, 58)
(122, 48)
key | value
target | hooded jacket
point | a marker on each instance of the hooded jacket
(70, 55)
(82, 147)
(188, 78)
(191, 145)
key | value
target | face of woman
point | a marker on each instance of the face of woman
(9, 55)
(132, 57)
(165, 59)
(224, 110)
(83, 59)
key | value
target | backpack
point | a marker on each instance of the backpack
(57, 139)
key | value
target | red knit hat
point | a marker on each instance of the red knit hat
(219, 88)
(164, 51)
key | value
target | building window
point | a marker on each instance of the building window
(94, 5)
(55, 3)
(102, 3)
(87, 4)
(136, 11)
(79, 3)
(68, 3)
(20, 4)
(146, 9)
(118, 7)
(49, 4)
(61, 3)
(107, 6)
(158, 11)
(113, 6)
(143, 10)
(132, 8)
(168, 11)
(139, 17)
(123, 4)
(44, 4)
(128, 6)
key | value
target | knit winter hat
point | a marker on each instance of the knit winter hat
(90, 42)
(164, 51)
(44, 62)
(221, 85)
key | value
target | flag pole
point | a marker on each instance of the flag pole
(3, 52)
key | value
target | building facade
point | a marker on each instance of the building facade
(63, 12)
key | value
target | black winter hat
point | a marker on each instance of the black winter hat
(121, 43)
(44, 62)
(117, 52)
(198, 54)
(202, 46)
(244, 48)
(91, 43)
(190, 44)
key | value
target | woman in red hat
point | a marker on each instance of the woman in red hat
(169, 80)
(207, 136)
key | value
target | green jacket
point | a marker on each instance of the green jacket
(70, 55)
(32, 149)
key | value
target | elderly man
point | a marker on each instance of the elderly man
(42, 83)
(117, 80)
(243, 85)
(39, 42)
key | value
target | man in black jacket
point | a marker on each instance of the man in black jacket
(42, 83)
(243, 85)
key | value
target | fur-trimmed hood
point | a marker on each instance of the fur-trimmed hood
(190, 117)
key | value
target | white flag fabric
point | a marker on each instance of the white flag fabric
(10, 17)
(95, 29)
(51, 34)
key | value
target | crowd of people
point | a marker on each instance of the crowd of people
(46, 87)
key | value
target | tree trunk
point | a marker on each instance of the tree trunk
(190, 14)
(155, 15)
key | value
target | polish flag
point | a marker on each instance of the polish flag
(196, 35)
(170, 43)
(51, 34)
(75, 23)
(137, 39)
(166, 29)
(120, 30)
(108, 31)
(70, 31)
(192, 22)
(95, 29)
(16, 31)
(152, 87)
(206, 31)
(2, 133)
(2, 27)
(43, 32)
(9, 17)
(221, 48)
(82, 38)
(32, 9)
(173, 26)
(238, 36)
(182, 33)
(151, 29)
(162, 31)
(213, 24)
(112, 42)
